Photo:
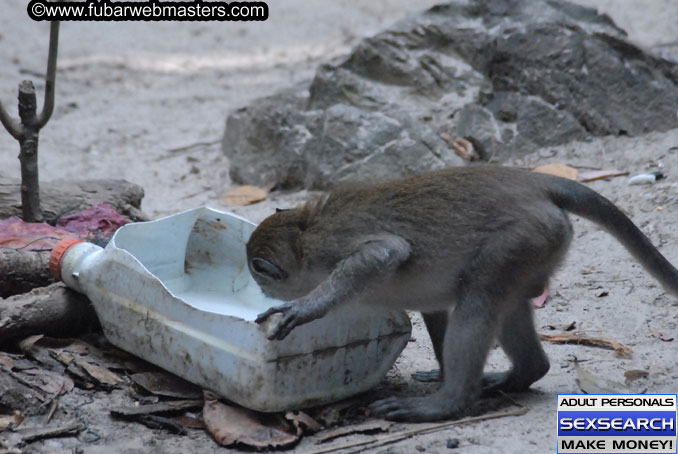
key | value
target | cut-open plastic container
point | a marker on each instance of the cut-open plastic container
(177, 292)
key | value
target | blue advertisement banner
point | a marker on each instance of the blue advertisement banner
(615, 422)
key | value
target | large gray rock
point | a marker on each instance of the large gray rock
(510, 75)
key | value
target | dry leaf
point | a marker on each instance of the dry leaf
(244, 195)
(33, 348)
(6, 361)
(11, 422)
(47, 349)
(621, 350)
(303, 422)
(559, 170)
(88, 364)
(635, 374)
(100, 374)
(63, 357)
(48, 381)
(191, 421)
(28, 343)
(86, 352)
(594, 175)
(120, 359)
(591, 384)
(142, 396)
(660, 335)
(166, 384)
(368, 427)
(234, 425)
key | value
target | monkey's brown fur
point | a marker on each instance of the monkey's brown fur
(468, 247)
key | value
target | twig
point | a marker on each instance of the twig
(622, 351)
(510, 399)
(53, 408)
(378, 425)
(608, 280)
(32, 72)
(188, 147)
(161, 407)
(32, 242)
(423, 429)
(11, 125)
(34, 434)
(28, 129)
(28, 142)
(50, 79)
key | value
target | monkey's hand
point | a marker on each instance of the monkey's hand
(374, 255)
(295, 313)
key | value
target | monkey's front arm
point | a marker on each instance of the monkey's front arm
(374, 256)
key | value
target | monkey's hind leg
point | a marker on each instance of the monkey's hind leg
(520, 342)
(468, 338)
(436, 323)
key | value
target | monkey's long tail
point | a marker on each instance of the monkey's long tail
(582, 201)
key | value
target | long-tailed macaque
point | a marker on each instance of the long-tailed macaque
(468, 247)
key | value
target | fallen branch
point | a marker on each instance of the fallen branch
(54, 310)
(378, 425)
(622, 351)
(423, 429)
(21, 271)
(58, 198)
(38, 433)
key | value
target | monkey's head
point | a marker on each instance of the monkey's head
(274, 255)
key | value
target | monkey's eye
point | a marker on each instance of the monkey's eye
(268, 269)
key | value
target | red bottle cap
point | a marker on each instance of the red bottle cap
(58, 253)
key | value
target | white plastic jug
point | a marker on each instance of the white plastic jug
(177, 292)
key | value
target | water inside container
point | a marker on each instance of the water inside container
(216, 277)
(200, 257)
(199, 290)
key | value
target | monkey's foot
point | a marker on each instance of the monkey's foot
(494, 382)
(417, 409)
(428, 376)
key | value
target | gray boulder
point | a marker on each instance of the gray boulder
(509, 75)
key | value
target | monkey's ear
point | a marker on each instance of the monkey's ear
(268, 269)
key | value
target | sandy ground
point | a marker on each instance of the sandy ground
(147, 102)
